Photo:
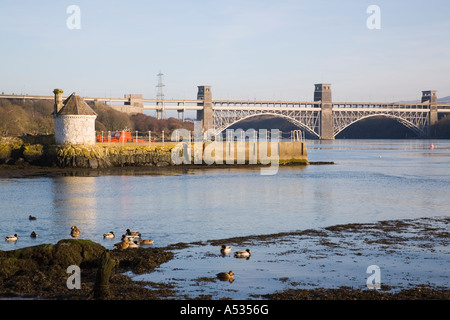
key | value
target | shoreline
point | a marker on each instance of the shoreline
(46, 283)
(33, 171)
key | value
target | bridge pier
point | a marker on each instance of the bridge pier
(136, 103)
(181, 114)
(206, 114)
(430, 97)
(322, 93)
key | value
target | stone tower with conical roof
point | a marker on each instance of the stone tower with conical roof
(74, 120)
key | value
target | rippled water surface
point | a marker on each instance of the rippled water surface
(371, 180)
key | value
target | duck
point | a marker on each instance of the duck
(33, 234)
(31, 217)
(12, 238)
(145, 241)
(225, 250)
(243, 254)
(132, 244)
(109, 235)
(134, 234)
(226, 276)
(122, 244)
(75, 232)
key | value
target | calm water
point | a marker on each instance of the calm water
(371, 180)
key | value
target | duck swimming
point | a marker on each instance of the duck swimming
(75, 232)
(145, 241)
(109, 235)
(12, 238)
(226, 276)
(225, 249)
(243, 254)
(31, 217)
(136, 234)
(33, 235)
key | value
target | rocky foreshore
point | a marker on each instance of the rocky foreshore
(40, 272)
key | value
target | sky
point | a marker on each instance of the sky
(247, 49)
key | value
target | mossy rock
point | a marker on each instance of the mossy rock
(140, 260)
(10, 266)
(33, 152)
(5, 153)
(65, 253)
(29, 258)
(10, 149)
(77, 252)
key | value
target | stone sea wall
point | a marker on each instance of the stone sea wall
(113, 155)
(18, 151)
(15, 151)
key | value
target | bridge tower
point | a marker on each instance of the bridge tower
(322, 93)
(206, 114)
(430, 97)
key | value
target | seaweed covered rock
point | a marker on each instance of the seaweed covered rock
(140, 260)
(42, 271)
(10, 149)
(33, 153)
(83, 253)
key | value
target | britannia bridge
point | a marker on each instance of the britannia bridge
(323, 117)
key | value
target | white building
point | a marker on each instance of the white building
(74, 120)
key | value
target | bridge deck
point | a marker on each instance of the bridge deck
(194, 104)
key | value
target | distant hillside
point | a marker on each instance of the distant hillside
(19, 117)
(442, 128)
(444, 99)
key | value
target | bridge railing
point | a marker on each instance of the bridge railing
(372, 105)
(126, 136)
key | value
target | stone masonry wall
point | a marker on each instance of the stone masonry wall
(74, 129)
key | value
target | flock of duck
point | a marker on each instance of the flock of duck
(131, 239)
(226, 250)
(15, 237)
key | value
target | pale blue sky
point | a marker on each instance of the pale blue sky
(259, 49)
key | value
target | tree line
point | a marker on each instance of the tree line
(30, 117)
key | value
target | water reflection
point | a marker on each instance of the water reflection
(75, 203)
